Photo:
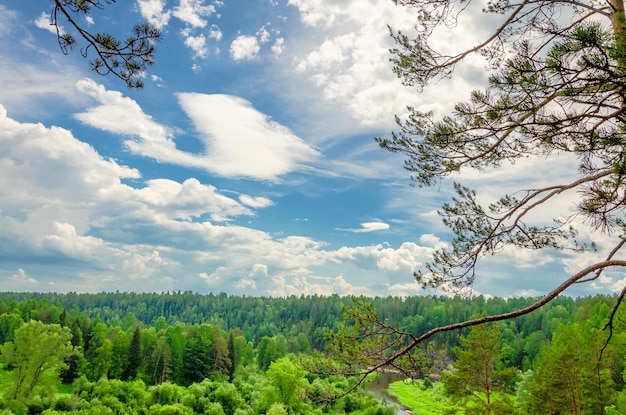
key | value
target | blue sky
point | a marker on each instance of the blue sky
(246, 165)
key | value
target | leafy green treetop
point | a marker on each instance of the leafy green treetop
(35, 366)
(127, 59)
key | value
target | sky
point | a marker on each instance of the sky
(246, 165)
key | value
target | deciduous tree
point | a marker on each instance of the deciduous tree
(34, 366)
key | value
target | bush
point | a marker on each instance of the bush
(166, 393)
(277, 409)
(176, 409)
(380, 410)
(64, 403)
(213, 408)
(37, 404)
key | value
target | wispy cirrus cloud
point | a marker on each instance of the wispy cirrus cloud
(239, 140)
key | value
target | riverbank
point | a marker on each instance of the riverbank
(419, 399)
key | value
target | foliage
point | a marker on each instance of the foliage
(554, 94)
(477, 374)
(134, 355)
(537, 337)
(421, 399)
(570, 374)
(555, 90)
(287, 385)
(36, 356)
(127, 59)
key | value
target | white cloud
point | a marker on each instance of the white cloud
(258, 271)
(8, 18)
(369, 227)
(255, 202)
(194, 12)
(42, 86)
(152, 11)
(242, 141)
(405, 289)
(246, 284)
(198, 45)
(43, 22)
(330, 54)
(318, 12)
(279, 46)
(284, 286)
(157, 80)
(64, 205)
(263, 35)
(121, 115)
(190, 199)
(62, 201)
(348, 60)
(21, 277)
(373, 227)
(244, 48)
(215, 32)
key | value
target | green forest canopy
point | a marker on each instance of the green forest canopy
(145, 342)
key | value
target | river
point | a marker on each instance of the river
(379, 388)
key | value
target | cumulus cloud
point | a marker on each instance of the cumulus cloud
(215, 32)
(43, 22)
(66, 206)
(244, 48)
(350, 64)
(191, 199)
(279, 46)
(62, 201)
(246, 284)
(21, 277)
(258, 270)
(263, 35)
(194, 12)
(315, 13)
(153, 12)
(284, 286)
(198, 45)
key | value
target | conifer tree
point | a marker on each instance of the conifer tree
(477, 373)
(134, 355)
(126, 59)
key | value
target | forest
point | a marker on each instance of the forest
(186, 353)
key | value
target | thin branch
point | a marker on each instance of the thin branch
(482, 320)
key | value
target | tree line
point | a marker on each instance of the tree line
(550, 358)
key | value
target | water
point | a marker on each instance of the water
(379, 388)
